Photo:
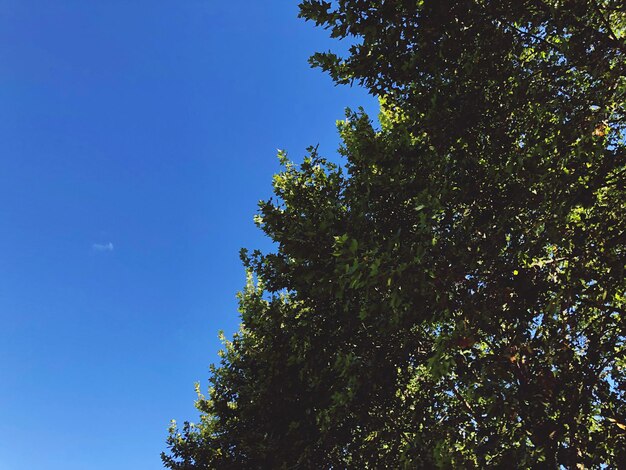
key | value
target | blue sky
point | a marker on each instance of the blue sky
(136, 138)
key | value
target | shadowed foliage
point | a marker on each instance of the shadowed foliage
(453, 297)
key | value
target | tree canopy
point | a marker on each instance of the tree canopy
(454, 295)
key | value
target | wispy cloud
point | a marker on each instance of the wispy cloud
(102, 246)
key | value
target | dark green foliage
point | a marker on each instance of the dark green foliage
(455, 296)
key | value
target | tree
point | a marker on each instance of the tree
(454, 297)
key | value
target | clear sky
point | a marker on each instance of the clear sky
(136, 138)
